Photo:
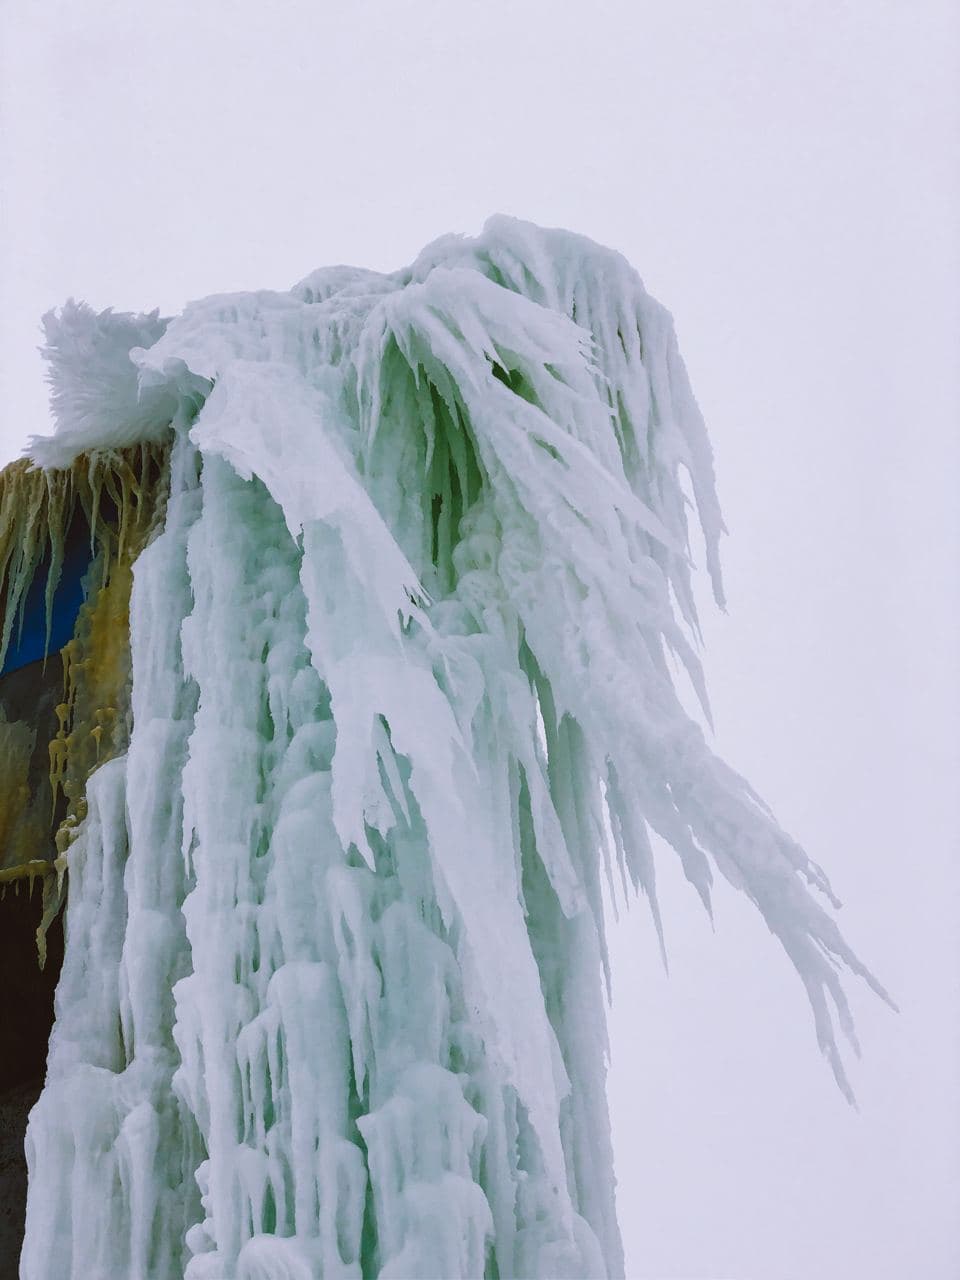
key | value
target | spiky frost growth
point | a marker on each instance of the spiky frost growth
(93, 386)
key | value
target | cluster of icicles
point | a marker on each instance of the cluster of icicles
(39, 511)
(332, 1003)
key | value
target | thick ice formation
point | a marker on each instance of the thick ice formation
(332, 999)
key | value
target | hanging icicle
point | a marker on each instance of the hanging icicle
(109, 501)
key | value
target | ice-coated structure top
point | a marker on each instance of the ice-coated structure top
(403, 652)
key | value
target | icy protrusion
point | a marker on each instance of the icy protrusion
(94, 389)
(402, 697)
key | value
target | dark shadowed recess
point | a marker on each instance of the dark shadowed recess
(26, 1004)
(31, 686)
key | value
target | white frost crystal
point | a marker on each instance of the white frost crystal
(332, 1003)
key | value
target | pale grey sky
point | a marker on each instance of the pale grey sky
(784, 174)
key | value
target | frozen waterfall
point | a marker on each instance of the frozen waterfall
(401, 692)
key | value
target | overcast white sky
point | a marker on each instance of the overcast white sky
(784, 174)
